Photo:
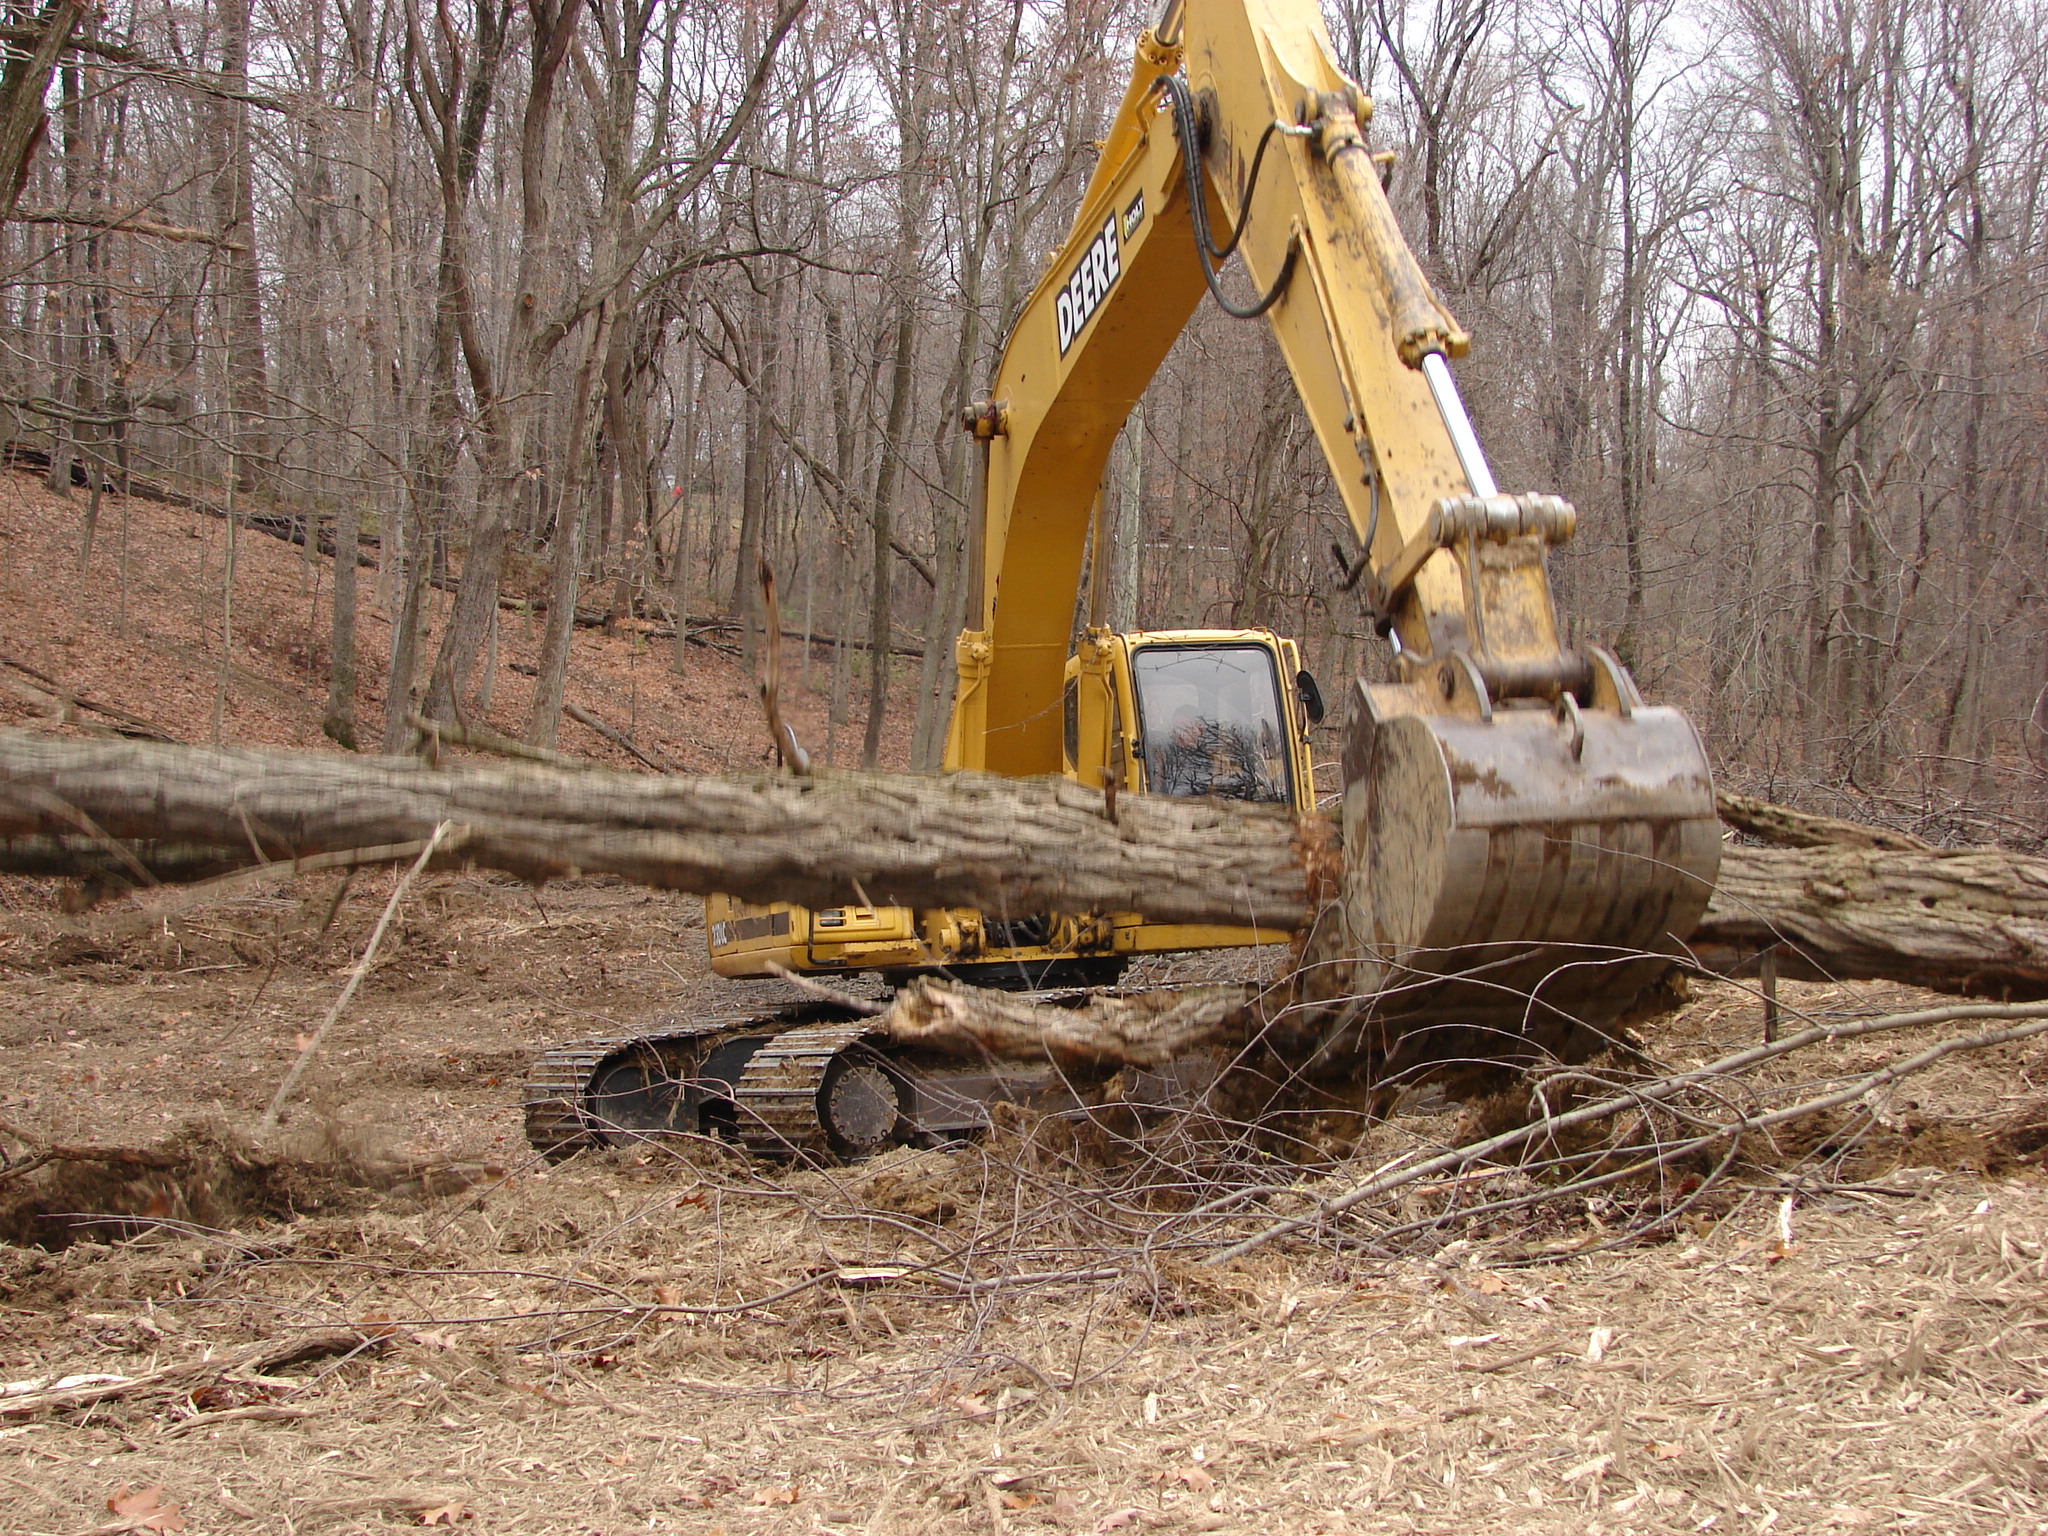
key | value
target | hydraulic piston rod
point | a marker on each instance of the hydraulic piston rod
(1451, 406)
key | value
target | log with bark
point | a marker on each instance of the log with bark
(1017, 847)
(1967, 921)
(1143, 1029)
(1958, 920)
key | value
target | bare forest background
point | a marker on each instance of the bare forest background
(578, 308)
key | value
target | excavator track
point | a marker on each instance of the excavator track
(560, 1117)
(696, 1076)
(813, 1092)
(809, 1082)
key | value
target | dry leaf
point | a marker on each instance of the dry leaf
(145, 1510)
(1488, 1283)
(445, 1514)
(776, 1496)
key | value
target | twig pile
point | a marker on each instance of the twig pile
(1601, 1155)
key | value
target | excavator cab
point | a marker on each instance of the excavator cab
(1197, 712)
(1189, 713)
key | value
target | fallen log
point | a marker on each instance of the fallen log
(1145, 1029)
(1786, 828)
(1973, 921)
(1969, 920)
(1010, 846)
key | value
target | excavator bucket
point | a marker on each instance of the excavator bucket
(1514, 876)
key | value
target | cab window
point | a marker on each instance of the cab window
(1211, 722)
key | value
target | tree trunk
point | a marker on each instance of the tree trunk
(67, 340)
(1019, 846)
(234, 202)
(566, 570)
(1147, 1029)
(22, 88)
(509, 398)
(1127, 547)
(1973, 921)
(880, 513)
(339, 718)
(1968, 921)
(682, 561)
(1180, 557)
(765, 370)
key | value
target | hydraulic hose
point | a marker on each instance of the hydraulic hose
(1206, 249)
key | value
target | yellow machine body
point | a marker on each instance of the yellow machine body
(1238, 697)
(1512, 807)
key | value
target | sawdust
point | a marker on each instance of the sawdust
(682, 1340)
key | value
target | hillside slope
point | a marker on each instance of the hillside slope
(141, 630)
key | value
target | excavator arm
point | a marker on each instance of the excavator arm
(1253, 83)
(1524, 834)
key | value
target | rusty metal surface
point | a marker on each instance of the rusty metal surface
(1512, 882)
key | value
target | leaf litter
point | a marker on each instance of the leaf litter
(1845, 1332)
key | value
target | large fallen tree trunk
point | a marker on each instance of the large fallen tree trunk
(1837, 900)
(1969, 921)
(1012, 846)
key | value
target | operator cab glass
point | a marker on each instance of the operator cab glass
(1211, 722)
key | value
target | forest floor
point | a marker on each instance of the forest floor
(977, 1339)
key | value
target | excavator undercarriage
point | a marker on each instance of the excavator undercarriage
(813, 1081)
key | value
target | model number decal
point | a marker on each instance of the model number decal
(1089, 283)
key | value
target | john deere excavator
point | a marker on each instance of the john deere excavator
(1520, 828)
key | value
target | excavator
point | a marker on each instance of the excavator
(1524, 836)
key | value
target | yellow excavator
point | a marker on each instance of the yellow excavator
(1523, 834)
